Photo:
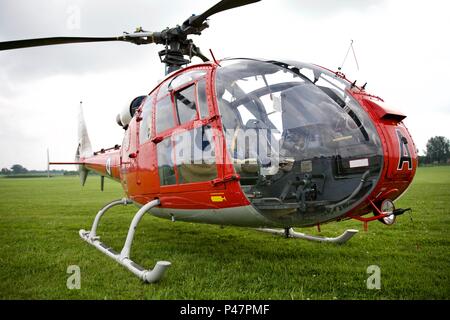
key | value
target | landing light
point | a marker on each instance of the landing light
(387, 207)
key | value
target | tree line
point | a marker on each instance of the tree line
(437, 151)
(18, 169)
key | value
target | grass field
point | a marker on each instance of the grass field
(40, 219)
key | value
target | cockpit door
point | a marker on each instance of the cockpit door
(188, 155)
(128, 158)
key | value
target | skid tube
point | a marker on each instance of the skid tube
(123, 257)
(290, 233)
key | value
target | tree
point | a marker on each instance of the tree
(5, 171)
(423, 160)
(17, 168)
(438, 149)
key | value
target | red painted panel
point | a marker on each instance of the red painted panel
(396, 175)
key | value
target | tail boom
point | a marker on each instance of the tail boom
(106, 164)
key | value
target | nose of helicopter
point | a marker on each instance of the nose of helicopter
(305, 151)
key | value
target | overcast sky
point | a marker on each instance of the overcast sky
(402, 46)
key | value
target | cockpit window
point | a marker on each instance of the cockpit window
(195, 155)
(145, 129)
(165, 162)
(297, 140)
(164, 114)
(184, 78)
(186, 104)
(202, 100)
(180, 80)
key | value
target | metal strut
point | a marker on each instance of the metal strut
(124, 256)
(290, 233)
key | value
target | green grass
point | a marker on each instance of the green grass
(40, 219)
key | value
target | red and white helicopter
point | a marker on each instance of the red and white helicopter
(257, 143)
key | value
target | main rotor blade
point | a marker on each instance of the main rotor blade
(137, 38)
(219, 7)
(18, 44)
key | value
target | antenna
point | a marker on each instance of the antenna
(214, 58)
(350, 47)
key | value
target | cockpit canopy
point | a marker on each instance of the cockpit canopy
(298, 141)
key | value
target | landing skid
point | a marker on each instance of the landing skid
(124, 256)
(290, 233)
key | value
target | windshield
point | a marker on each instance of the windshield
(295, 137)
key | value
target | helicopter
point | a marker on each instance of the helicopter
(249, 142)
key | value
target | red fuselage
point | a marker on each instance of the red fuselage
(220, 198)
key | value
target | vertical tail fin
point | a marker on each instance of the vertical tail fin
(48, 163)
(84, 149)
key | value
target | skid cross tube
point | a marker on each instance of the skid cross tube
(124, 256)
(290, 233)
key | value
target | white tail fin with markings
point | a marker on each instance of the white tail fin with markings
(84, 149)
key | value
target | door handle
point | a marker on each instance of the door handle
(132, 155)
(157, 139)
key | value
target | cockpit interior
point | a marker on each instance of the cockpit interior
(299, 142)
